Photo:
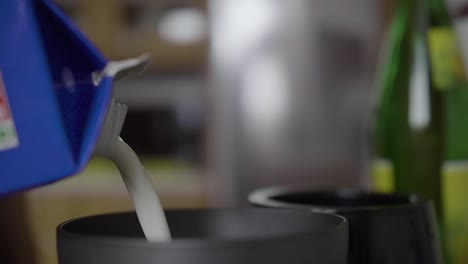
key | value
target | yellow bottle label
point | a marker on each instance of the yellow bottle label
(455, 186)
(446, 62)
(455, 198)
(382, 176)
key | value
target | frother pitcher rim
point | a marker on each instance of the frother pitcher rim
(64, 231)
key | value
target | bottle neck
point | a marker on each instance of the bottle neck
(440, 16)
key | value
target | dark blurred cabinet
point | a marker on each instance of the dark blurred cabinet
(128, 28)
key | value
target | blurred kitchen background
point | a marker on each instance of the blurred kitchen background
(239, 95)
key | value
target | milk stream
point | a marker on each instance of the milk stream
(145, 199)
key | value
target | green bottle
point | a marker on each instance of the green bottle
(409, 128)
(418, 124)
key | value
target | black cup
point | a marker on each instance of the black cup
(383, 228)
(208, 236)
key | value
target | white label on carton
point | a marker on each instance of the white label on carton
(8, 136)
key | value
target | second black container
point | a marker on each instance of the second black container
(384, 228)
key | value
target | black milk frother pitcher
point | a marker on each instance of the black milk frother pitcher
(208, 236)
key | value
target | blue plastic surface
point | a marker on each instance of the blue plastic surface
(46, 65)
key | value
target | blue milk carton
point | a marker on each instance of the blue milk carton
(53, 101)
